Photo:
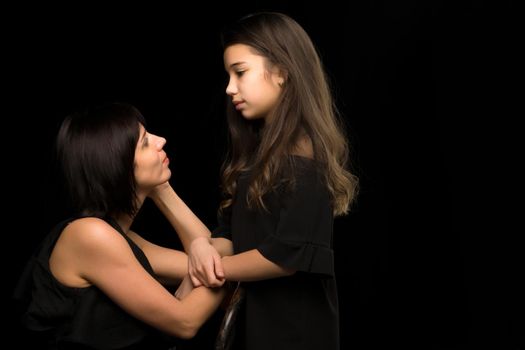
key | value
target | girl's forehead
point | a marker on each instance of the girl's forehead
(240, 54)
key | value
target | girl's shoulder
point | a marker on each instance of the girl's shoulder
(300, 162)
(304, 171)
(304, 148)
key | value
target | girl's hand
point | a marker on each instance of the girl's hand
(205, 264)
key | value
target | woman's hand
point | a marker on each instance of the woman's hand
(205, 264)
(157, 191)
(184, 289)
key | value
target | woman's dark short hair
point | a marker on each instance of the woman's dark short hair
(96, 150)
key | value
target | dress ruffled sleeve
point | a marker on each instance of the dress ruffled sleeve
(302, 240)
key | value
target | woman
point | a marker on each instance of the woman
(94, 283)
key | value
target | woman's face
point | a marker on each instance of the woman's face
(151, 162)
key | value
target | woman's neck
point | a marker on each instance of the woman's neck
(125, 220)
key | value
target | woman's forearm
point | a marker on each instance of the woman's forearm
(183, 220)
(199, 305)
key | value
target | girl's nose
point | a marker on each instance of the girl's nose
(231, 89)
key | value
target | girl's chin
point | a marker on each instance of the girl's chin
(249, 116)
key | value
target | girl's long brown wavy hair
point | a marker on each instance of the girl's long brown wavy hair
(305, 110)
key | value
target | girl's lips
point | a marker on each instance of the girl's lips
(166, 160)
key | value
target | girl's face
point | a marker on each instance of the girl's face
(253, 87)
(151, 162)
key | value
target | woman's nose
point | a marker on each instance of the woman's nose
(161, 141)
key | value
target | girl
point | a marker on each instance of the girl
(285, 180)
(94, 283)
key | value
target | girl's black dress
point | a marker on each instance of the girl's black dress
(299, 311)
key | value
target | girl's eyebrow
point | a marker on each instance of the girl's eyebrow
(236, 64)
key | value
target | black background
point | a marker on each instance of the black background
(430, 257)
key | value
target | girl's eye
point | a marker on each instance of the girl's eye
(239, 73)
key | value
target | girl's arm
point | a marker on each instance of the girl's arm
(252, 266)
